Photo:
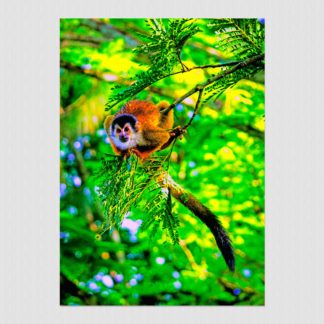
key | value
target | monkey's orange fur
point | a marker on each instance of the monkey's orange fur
(152, 127)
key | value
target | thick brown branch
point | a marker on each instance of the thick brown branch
(203, 213)
(83, 39)
(92, 73)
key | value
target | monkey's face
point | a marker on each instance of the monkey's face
(124, 132)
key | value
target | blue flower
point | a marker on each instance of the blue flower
(177, 284)
(247, 273)
(78, 145)
(179, 107)
(236, 291)
(192, 164)
(176, 274)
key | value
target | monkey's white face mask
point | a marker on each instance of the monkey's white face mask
(125, 137)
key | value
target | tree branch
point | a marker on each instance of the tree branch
(201, 86)
(71, 67)
(202, 67)
(83, 39)
(195, 110)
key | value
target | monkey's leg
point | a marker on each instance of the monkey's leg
(154, 139)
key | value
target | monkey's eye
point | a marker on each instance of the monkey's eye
(118, 131)
(126, 129)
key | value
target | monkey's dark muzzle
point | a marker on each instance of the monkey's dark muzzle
(123, 139)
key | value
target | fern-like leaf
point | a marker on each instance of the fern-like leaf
(163, 47)
(124, 184)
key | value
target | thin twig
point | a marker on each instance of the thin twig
(201, 67)
(201, 86)
(195, 110)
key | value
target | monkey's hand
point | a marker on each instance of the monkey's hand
(177, 131)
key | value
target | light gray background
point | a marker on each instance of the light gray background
(29, 125)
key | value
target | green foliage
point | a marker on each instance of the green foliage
(215, 89)
(220, 161)
(235, 38)
(124, 184)
(163, 47)
(238, 38)
(159, 209)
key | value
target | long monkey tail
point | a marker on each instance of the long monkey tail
(204, 214)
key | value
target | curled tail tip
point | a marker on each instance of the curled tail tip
(231, 263)
(228, 254)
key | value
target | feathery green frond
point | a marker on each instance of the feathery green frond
(163, 47)
(238, 38)
(124, 184)
(216, 88)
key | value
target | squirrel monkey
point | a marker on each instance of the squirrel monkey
(141, 128)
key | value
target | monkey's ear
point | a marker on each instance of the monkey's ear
(107, 123)
(163, 104)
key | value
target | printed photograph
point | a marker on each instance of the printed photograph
(162, 162)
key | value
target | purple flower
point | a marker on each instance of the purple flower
(93, 286)
(99, 276)
(160, 260)
(119, 278)
(133, 282)
(77, 181)
(131, 225)
(107, 281)
(190, 114)
(177, 284)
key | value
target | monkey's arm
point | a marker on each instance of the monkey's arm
(176, 132)
(166, 120)
(154, 139)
